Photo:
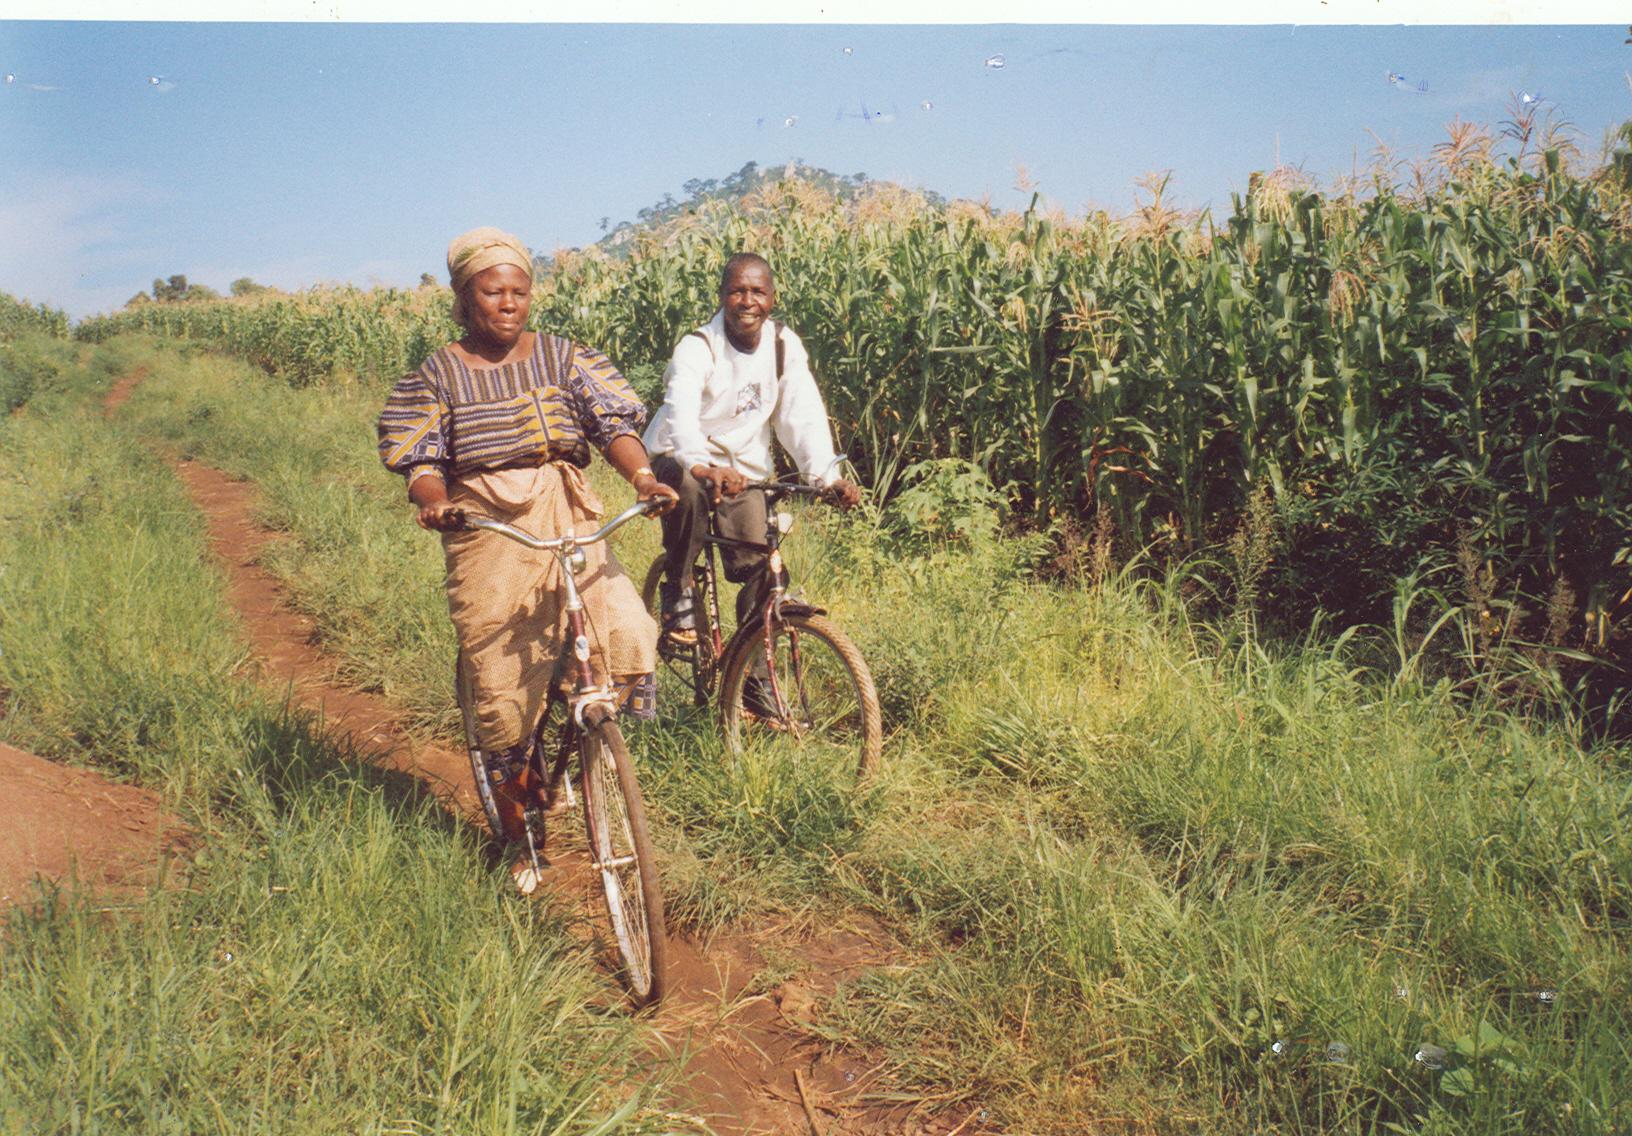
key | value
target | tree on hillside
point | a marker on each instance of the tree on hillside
(733, 187)
(244, 286)
(738, 183)
(176, 290)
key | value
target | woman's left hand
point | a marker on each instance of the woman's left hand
(649, 488)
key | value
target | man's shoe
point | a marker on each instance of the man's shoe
(679, 620)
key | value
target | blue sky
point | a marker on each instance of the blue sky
(302, 153)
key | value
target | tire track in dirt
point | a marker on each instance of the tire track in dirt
(751, 1065)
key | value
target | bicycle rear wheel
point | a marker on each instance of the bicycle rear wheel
(817, 694)
(698, 663)
(621, 850)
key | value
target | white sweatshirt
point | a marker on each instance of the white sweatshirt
(721, 406)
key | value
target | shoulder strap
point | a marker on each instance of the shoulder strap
(706, 341)
(781, 353)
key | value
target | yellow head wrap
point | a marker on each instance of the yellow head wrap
(479, 249)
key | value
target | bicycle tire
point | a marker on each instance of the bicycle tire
(648, 590)
(700, 661)
(615, 818)
(847, 721)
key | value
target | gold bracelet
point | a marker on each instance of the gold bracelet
(646, 470)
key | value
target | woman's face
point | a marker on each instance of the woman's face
(496, 303)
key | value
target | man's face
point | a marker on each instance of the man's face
(747, 297)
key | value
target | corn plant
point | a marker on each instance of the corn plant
(1405, 368)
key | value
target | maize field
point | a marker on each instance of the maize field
(19, 316)
(1433, 378)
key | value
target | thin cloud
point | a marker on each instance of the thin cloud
(61, 237)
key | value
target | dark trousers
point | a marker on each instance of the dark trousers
(738, 518)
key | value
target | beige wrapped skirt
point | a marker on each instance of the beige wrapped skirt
(508, 609)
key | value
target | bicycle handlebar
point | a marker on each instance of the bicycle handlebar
(781, 488)
(555, 544)
(787, 488)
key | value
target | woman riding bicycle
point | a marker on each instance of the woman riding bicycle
(501, 423)
(728, 388)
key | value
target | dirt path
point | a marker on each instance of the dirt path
(751, 1065)
(63, 823)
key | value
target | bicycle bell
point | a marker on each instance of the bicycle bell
(576, 560)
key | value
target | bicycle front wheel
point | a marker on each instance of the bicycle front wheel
(814, 693)
(615, 817)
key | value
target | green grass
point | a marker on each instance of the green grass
(1127, 851)
(337, 954)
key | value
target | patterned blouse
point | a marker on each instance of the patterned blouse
(555, 403)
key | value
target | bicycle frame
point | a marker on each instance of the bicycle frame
(777, 601)
(592, 700)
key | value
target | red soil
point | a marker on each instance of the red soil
(61, 823)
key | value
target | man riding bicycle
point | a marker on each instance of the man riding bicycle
(728, 388)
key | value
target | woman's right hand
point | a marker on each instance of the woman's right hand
(436, 512)
(443, 516)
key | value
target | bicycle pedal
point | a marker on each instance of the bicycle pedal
(679, 640)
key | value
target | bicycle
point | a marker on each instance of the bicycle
(816, 690)
(614, 813)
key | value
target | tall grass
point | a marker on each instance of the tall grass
(335, 954)
(1158, 859)
(31, 359)
(1145, 867)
